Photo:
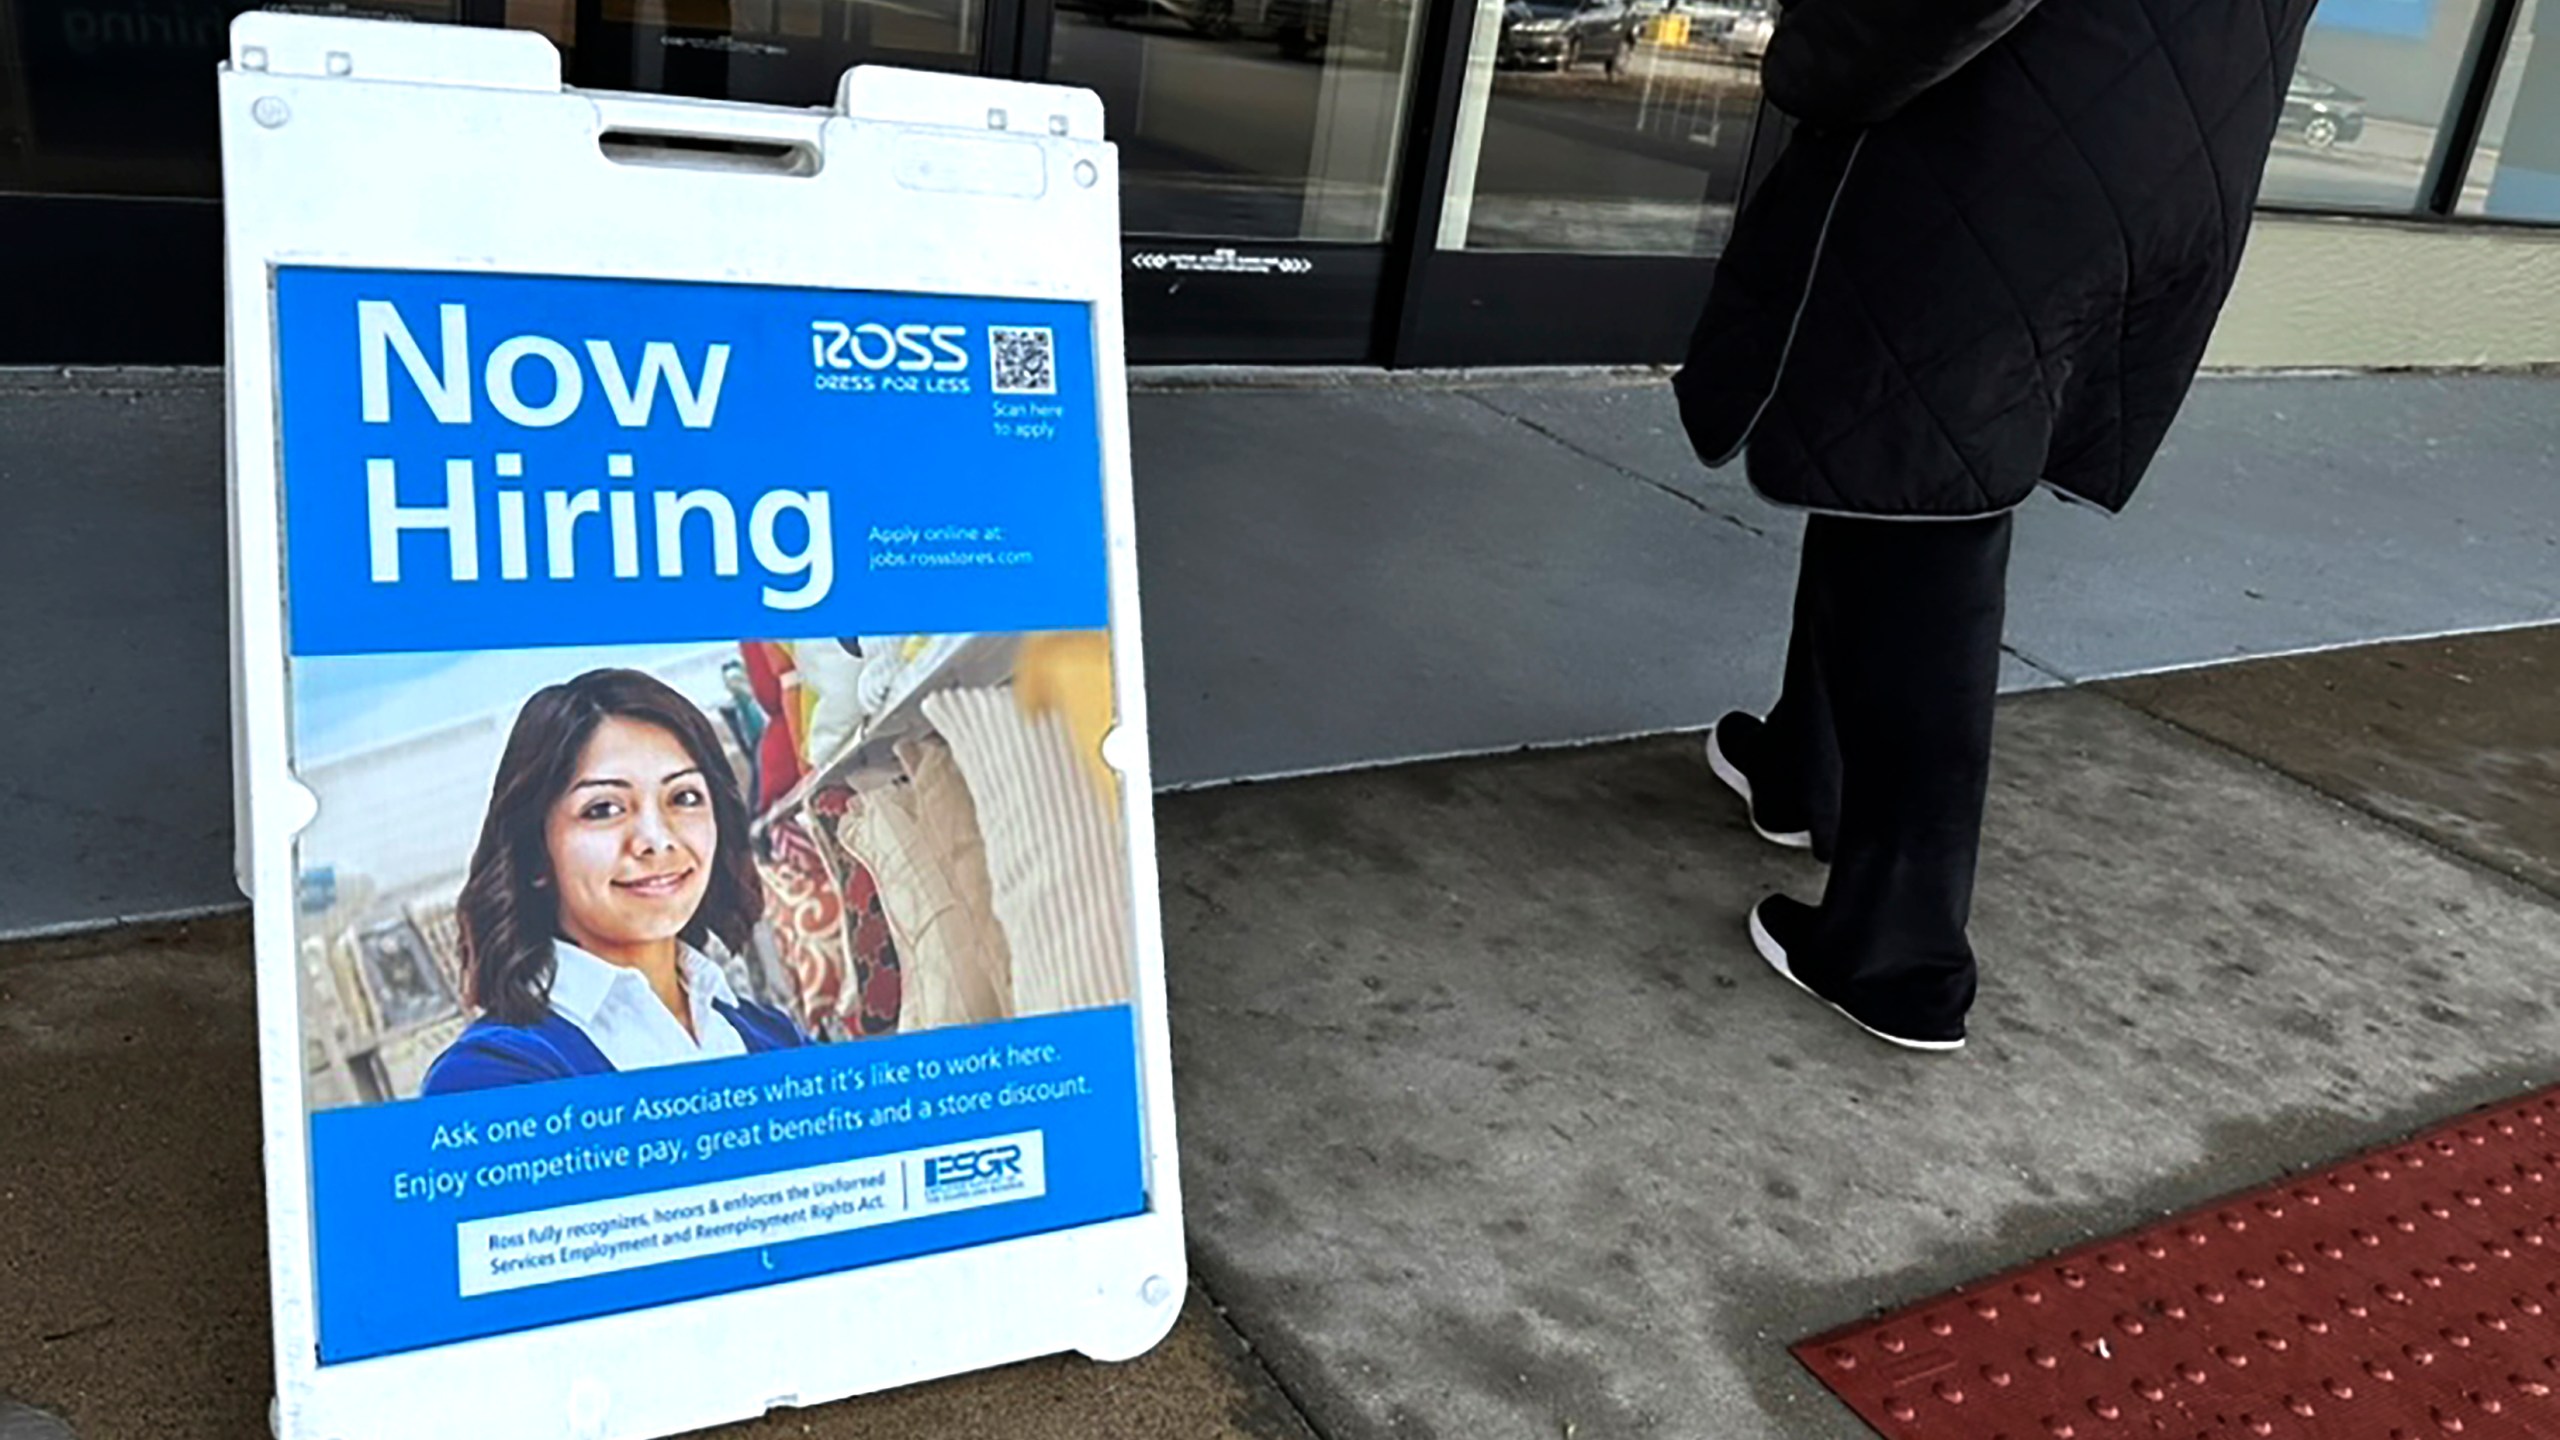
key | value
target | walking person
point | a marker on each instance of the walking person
(1988, 259)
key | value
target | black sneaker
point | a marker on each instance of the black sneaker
(1741, 732)
(1779, 925)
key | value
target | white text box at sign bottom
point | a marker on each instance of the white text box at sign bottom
(600, 1237)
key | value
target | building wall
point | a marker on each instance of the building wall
(2369, 294)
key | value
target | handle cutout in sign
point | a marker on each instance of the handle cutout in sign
(669, 149)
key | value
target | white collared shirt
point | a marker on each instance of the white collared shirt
(615, 1007)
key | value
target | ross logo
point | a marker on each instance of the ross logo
(872, 346)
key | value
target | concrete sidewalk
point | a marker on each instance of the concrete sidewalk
(1560, 1152)
(1339, 570)
(1555, 1155)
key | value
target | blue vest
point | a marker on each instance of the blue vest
(492, 1053)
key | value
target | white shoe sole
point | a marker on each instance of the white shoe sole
(1740, 784)
(1776, 954)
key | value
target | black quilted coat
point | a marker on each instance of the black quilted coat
(1992, 251)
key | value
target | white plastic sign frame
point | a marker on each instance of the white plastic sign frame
(377, 146)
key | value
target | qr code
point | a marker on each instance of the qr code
(1026, 359)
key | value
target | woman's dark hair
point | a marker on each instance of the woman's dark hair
(508, 912)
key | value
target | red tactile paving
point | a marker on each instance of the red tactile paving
(2412, 1293)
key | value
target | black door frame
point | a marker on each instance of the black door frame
(1404, 302)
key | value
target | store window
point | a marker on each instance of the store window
(1604, 126)
(2376, 83)
(115, 97)
(781, 52)
(1254, 119)
(2515, 172)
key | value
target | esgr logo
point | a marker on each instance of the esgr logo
(997, 1167)
(985, 1170)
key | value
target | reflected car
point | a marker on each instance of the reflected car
(1303, 27)
(1710, 21)
(1217, 19)
(1306, 28)
(1116, 12)
(1750, 33)
(1557, 34)
(2321, 113)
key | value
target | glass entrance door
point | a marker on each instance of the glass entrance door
(1260, 139)
(1597, 127)
(1259, 147)
(116, 97)
(787, 52)
(1267, 120)
(1599, 151)
(1386, 181)
(110, 163)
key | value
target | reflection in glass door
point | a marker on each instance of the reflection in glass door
(788, 52)
(2515, 172)
(1247, 119)
(1259, 143)
(1603, 126)
(115, 97)
(2367, 107)
(1598, 151)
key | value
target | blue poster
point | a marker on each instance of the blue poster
(716, 880)
(478, 462)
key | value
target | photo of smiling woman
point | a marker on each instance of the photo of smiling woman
(614, 852)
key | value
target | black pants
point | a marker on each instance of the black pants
(1882, 741)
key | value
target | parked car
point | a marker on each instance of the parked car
(1556, 34)
(2321, 113)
